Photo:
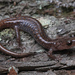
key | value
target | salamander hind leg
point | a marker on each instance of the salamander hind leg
(17, 31)
(17, 35)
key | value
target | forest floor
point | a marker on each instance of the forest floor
(57, 19)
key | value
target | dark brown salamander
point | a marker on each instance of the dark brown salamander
(35, 29)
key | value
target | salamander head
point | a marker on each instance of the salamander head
(65, 43)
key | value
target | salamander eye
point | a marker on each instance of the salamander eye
(69, 42)
(72, 35)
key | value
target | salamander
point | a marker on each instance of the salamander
(35, 29)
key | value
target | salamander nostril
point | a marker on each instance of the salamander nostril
(69, 42)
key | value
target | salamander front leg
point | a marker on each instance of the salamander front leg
(17, 35)
(50, 54)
